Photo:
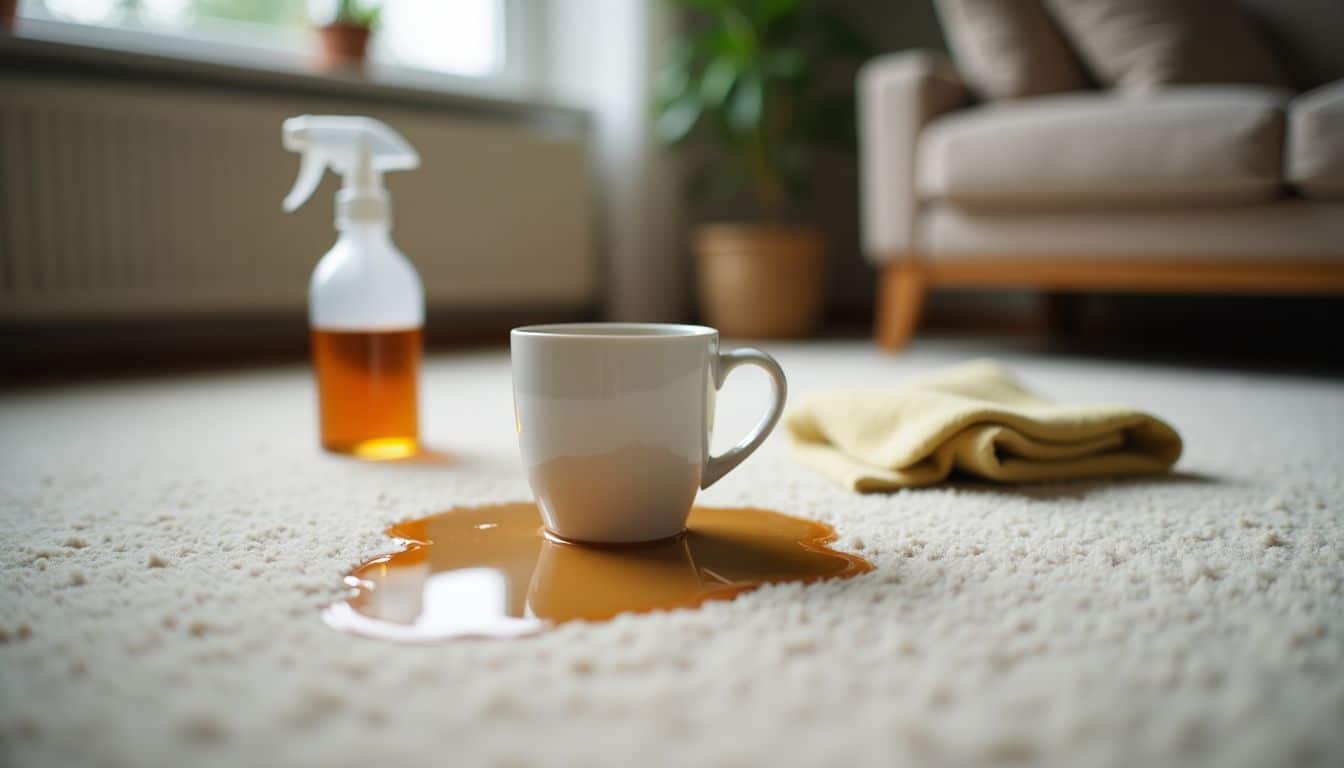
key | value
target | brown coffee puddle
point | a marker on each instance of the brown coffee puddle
(492, 572)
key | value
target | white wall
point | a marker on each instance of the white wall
(601, 55)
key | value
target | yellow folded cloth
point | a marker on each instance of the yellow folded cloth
(974, 418)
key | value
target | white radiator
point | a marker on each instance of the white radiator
(121, 199)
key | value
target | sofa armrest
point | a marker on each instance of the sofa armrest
(897, 95)
(1314, 163)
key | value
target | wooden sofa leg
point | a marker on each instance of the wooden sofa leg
(900, 298)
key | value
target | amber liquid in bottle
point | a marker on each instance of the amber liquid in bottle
(367, 386)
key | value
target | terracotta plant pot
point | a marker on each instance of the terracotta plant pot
(760, 280)
(8, 10)
(344, 46)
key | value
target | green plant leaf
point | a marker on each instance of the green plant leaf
(746, 104)
(785, 63)
(703, 5)
(719, 78)
(708, 44)
(739, 35)
(756, 82)
(673, 80)
(677, 120)
(767, 12)
(362, 14)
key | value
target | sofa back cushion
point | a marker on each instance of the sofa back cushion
(1144, 44)
(1189, 145)
(1009, 49)
(1307, 36)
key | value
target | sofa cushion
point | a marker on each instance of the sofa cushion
(1305, 36)
(1009, 49)
(1290, 230)
(1143, 44)
(1194, 145)
(1315, 157)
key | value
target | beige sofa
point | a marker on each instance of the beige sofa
(1187, 188)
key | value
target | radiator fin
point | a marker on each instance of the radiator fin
(123, 199)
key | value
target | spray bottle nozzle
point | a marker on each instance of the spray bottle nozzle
(358, 148)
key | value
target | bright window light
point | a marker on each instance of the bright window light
(458, 37)
(465, 37)
(84, 11)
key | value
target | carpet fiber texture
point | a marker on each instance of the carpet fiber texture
(168, 543)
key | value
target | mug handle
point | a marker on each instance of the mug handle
(724, 363)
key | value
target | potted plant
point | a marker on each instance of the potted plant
(748, 78)
(345, 40)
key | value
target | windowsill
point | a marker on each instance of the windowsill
(61, 47)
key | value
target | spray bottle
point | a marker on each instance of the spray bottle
(366, 306)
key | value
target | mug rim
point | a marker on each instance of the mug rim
(640, 331)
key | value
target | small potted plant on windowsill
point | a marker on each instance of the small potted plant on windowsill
(748, 79)
(345, 40)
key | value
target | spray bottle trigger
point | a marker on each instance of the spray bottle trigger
(311, 168)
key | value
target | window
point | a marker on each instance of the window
(462, 37)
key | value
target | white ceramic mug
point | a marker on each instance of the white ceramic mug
(614, 422)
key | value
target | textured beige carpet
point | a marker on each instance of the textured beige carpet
(167, 544)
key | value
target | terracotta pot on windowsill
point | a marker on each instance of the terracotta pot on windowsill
(344, 46)
(8, 10)
(760, 280)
